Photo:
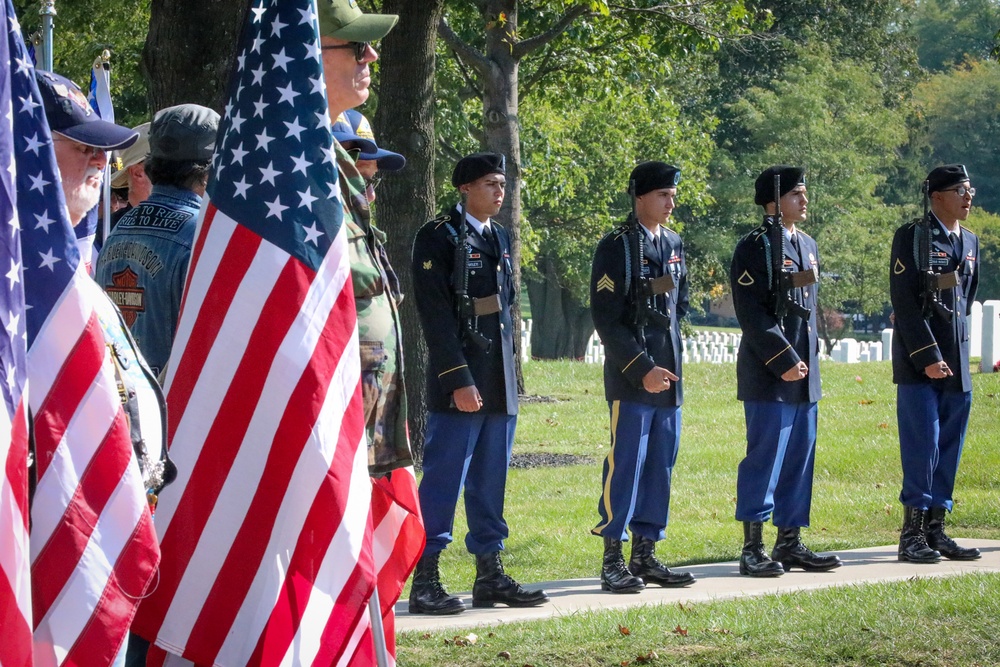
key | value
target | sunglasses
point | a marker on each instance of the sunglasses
(359, 48)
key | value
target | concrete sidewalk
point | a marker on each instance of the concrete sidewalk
(714, 582)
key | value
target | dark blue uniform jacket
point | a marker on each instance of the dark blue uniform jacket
(453, 363)
(917, 341)
(626, 358)
(768, 347)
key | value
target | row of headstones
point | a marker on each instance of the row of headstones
(721, 346)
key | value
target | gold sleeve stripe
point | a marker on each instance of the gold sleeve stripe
(453, 369)
(787, 347)
(923, 348)
(631, 362)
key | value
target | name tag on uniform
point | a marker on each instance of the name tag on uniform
(939, 258)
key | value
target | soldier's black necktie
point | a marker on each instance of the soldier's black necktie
(956, 243)
(490, 238)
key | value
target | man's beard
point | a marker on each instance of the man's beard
(85, 196)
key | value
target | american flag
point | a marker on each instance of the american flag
(15, 563)
(266, 533)
(93, 548)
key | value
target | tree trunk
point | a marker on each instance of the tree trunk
(404, 122)
(191, 50)
(561, 325)
(503, 133)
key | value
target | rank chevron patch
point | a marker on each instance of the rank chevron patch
(898, 267)
(606, 283)
(746, 279)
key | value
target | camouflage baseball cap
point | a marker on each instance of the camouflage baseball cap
(343, 19)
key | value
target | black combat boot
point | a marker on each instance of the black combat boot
(790, 552)
(493, 585)
(753, 560)
(936, 539)
(427, 595)
(912, 541)
(643, 564)
(615, 577)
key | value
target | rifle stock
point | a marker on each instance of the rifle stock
(466, 306)
(932, 283)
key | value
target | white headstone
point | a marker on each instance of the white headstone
(991, 336)
(849, 350)
(976, 330)
(887, 344)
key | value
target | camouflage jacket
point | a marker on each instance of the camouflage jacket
(376, 297)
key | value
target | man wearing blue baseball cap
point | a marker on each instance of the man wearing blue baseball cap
(81, 141)
(933, 277)
(353, 131)
(346, 41)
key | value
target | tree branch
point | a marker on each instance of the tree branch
(528, 46)
(464, 52)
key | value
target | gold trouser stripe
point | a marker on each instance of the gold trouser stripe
(606, 495)
(453, 369)
(631, 362)
(923, 348)
(787, 347)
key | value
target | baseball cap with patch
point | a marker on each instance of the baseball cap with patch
(132, 155)
(343, 19)
(387, 160)
(344, 132)
(70, 115)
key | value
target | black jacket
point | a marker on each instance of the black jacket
(453, 362)
(769, 348)
(626, 359)
(917, 341)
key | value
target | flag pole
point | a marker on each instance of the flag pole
(48, 12)
(103, 62)
(378, 630)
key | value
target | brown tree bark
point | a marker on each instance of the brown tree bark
(561, 325)
(190, 51)
(404, 122)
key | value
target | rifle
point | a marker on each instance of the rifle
(932, 283)
(644, 289)
(783, 282)
(467, 308)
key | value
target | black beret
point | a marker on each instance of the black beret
(946, 176)
(473, 167)
(791, 178)
(649, 176)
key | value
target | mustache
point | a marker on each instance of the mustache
(94, 172)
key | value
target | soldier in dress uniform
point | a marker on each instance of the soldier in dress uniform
(464, 292)
(933, 277)
(773, 278)
(638, 294)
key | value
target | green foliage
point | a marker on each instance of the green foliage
(576, 162)
(85, 28)
(828, 115)
(987, 227)
(960, 110)
(951, 31)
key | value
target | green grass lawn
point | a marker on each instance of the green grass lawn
(855, 504)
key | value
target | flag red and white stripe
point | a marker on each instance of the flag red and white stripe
(267, 553)
(15, 581)
(93, 547)
(398, 541)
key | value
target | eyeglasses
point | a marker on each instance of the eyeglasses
(373, 182)
(962, 190)
(360, 48)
